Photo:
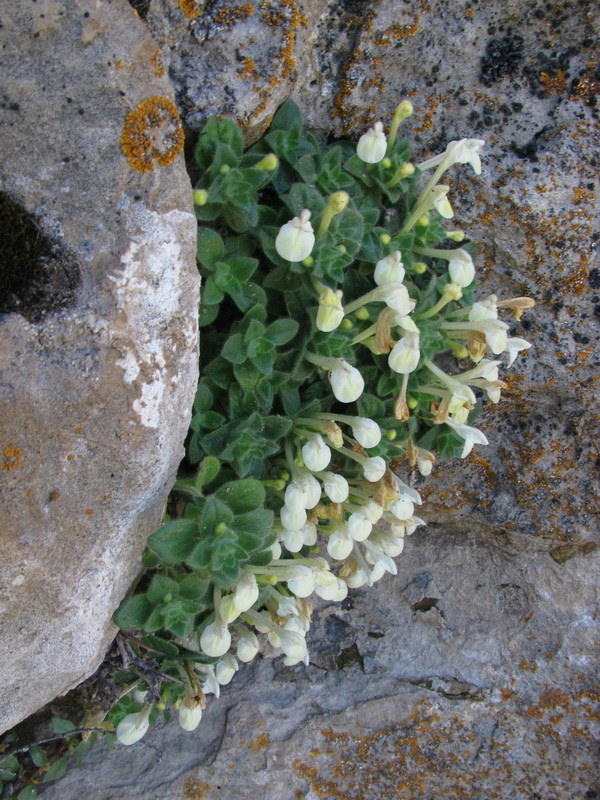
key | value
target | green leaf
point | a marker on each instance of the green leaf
(29, 792)
(9, 768)
(287, 116)
(173, 542)
(62, 725)
(302, 196)
(234, 349)
(38, 756)
(210, 247)
(281, 331)
(159, 587)
(211, 293)
(56, 771)
(208, 471)
(158, 643)
(243, 495)
(133, 613)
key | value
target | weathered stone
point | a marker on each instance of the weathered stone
(98, 340)
(471, 673)
(488, 692)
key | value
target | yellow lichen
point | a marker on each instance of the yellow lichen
(191, 8)
(152, 134)
(12, 458)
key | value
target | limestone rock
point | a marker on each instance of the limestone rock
(461, 676)
(98, 339)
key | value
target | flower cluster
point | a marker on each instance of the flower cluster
(330, 375)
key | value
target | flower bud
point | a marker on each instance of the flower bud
(269, 162)
(419, 267)
(296, 239)
(385, 238)
(200, 197)
(372, 145)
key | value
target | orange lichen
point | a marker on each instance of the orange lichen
(12, 457)
(554, 83)
(194, 789)
(229, 16)
(191, 8)
(396, 33)
(157, 64)
(89, 512)
(152, 134)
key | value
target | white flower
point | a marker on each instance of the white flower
(389, 269)
(134, 726)
(228, 611)
(339, 544)
(293, 540)
(374, 468)
(309, 533)
(439, 201)
(372, 145)
(189, 718)
(461, 268)
(424, 465)
(403, 508)
(486, 369)
(293, 645)
(396, 297)
(215, 640)
(247, 646)
(372, 511)
(513, 346)
(469, 434)
(296, 239)
(336, 487)
(359, 526)
(226, 669)
(347, 383)
(245, 593)
(293, 519)
(484, 309)
(404, 490)
(466, 151)
(366, 431)
(316, 456)
(405, 354)
(302, 581)
(210, 684)
(330, 312)
(329, 587)
(381, 562)
(413, 523)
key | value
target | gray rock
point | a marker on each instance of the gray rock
(98, 340)
(462, 676)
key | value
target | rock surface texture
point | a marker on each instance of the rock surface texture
(98, 339)
(473, 672)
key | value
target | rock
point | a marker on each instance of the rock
(98, 339)
(488, 692)
(472, 672)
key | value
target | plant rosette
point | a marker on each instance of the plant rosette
(344, 347)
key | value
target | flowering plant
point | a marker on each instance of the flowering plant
(343, 347)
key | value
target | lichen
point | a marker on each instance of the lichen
(12, 458)
(152, 134)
